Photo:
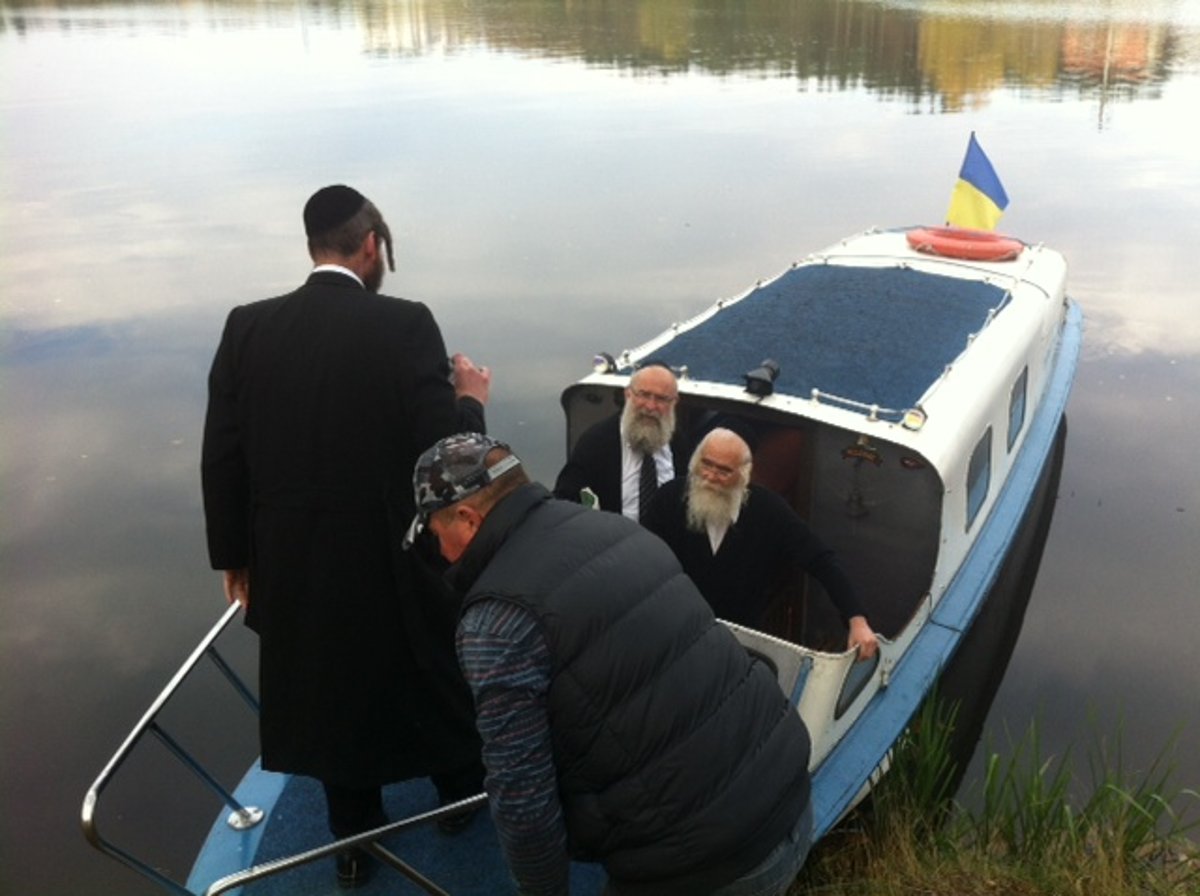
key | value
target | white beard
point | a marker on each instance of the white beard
(711, 504)
(645, 433)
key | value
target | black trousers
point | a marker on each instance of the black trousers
(353, 810)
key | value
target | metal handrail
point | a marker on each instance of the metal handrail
(364, 840)
(243, 816)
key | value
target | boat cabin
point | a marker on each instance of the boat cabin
(886, 394)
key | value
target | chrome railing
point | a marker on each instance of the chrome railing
(366, 840)
(242, 817)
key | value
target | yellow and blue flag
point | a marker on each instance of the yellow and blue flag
(978, 199)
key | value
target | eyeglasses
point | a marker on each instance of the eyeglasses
(717, 469)
(652, 397)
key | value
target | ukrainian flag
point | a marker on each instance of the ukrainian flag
(978, 199)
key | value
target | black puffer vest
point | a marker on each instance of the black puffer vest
(680, 763)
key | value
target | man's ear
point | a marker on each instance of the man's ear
(469, 515)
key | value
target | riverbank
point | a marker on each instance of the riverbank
(1032, 826)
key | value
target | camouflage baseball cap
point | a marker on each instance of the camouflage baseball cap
(453, 469)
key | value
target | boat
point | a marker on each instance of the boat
(906, 391)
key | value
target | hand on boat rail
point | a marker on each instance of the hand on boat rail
(237, 586)
(862, 638)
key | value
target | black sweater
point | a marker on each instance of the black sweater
(768, 538)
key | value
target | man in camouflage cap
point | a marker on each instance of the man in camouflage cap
(621, 723)
(455, 469)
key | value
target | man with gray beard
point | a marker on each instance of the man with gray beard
(733, 538)
(624, 459)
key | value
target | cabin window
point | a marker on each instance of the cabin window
(1016, 407)
(979, 475)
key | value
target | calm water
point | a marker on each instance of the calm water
(562, 178)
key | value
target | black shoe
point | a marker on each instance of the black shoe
(354, 868)
(457, 823)
(453, 788)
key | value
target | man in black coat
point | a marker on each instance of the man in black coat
(320, 401)
(623, 459)
(734, 538)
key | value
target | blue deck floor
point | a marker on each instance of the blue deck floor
(467, 864)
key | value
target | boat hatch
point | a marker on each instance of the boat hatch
(876, 336)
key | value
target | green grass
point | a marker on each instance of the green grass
(1030, 827)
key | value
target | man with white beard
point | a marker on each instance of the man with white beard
(733, 538)
(622, 460)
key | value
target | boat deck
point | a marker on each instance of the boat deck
(878, 336)
(469, 863)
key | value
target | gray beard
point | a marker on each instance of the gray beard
(646, 434)
(709, 505)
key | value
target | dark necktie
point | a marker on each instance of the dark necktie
(647, 483)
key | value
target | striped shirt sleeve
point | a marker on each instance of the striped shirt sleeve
(506, 662)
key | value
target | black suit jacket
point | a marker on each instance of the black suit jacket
(595, 463)
(320, 402)
(768, 538)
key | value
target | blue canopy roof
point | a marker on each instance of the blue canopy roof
(879, 336)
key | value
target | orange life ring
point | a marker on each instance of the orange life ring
(961, 242)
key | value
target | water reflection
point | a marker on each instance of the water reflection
(938, 57)
(562, 178)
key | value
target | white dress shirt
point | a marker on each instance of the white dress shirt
(631, 471)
